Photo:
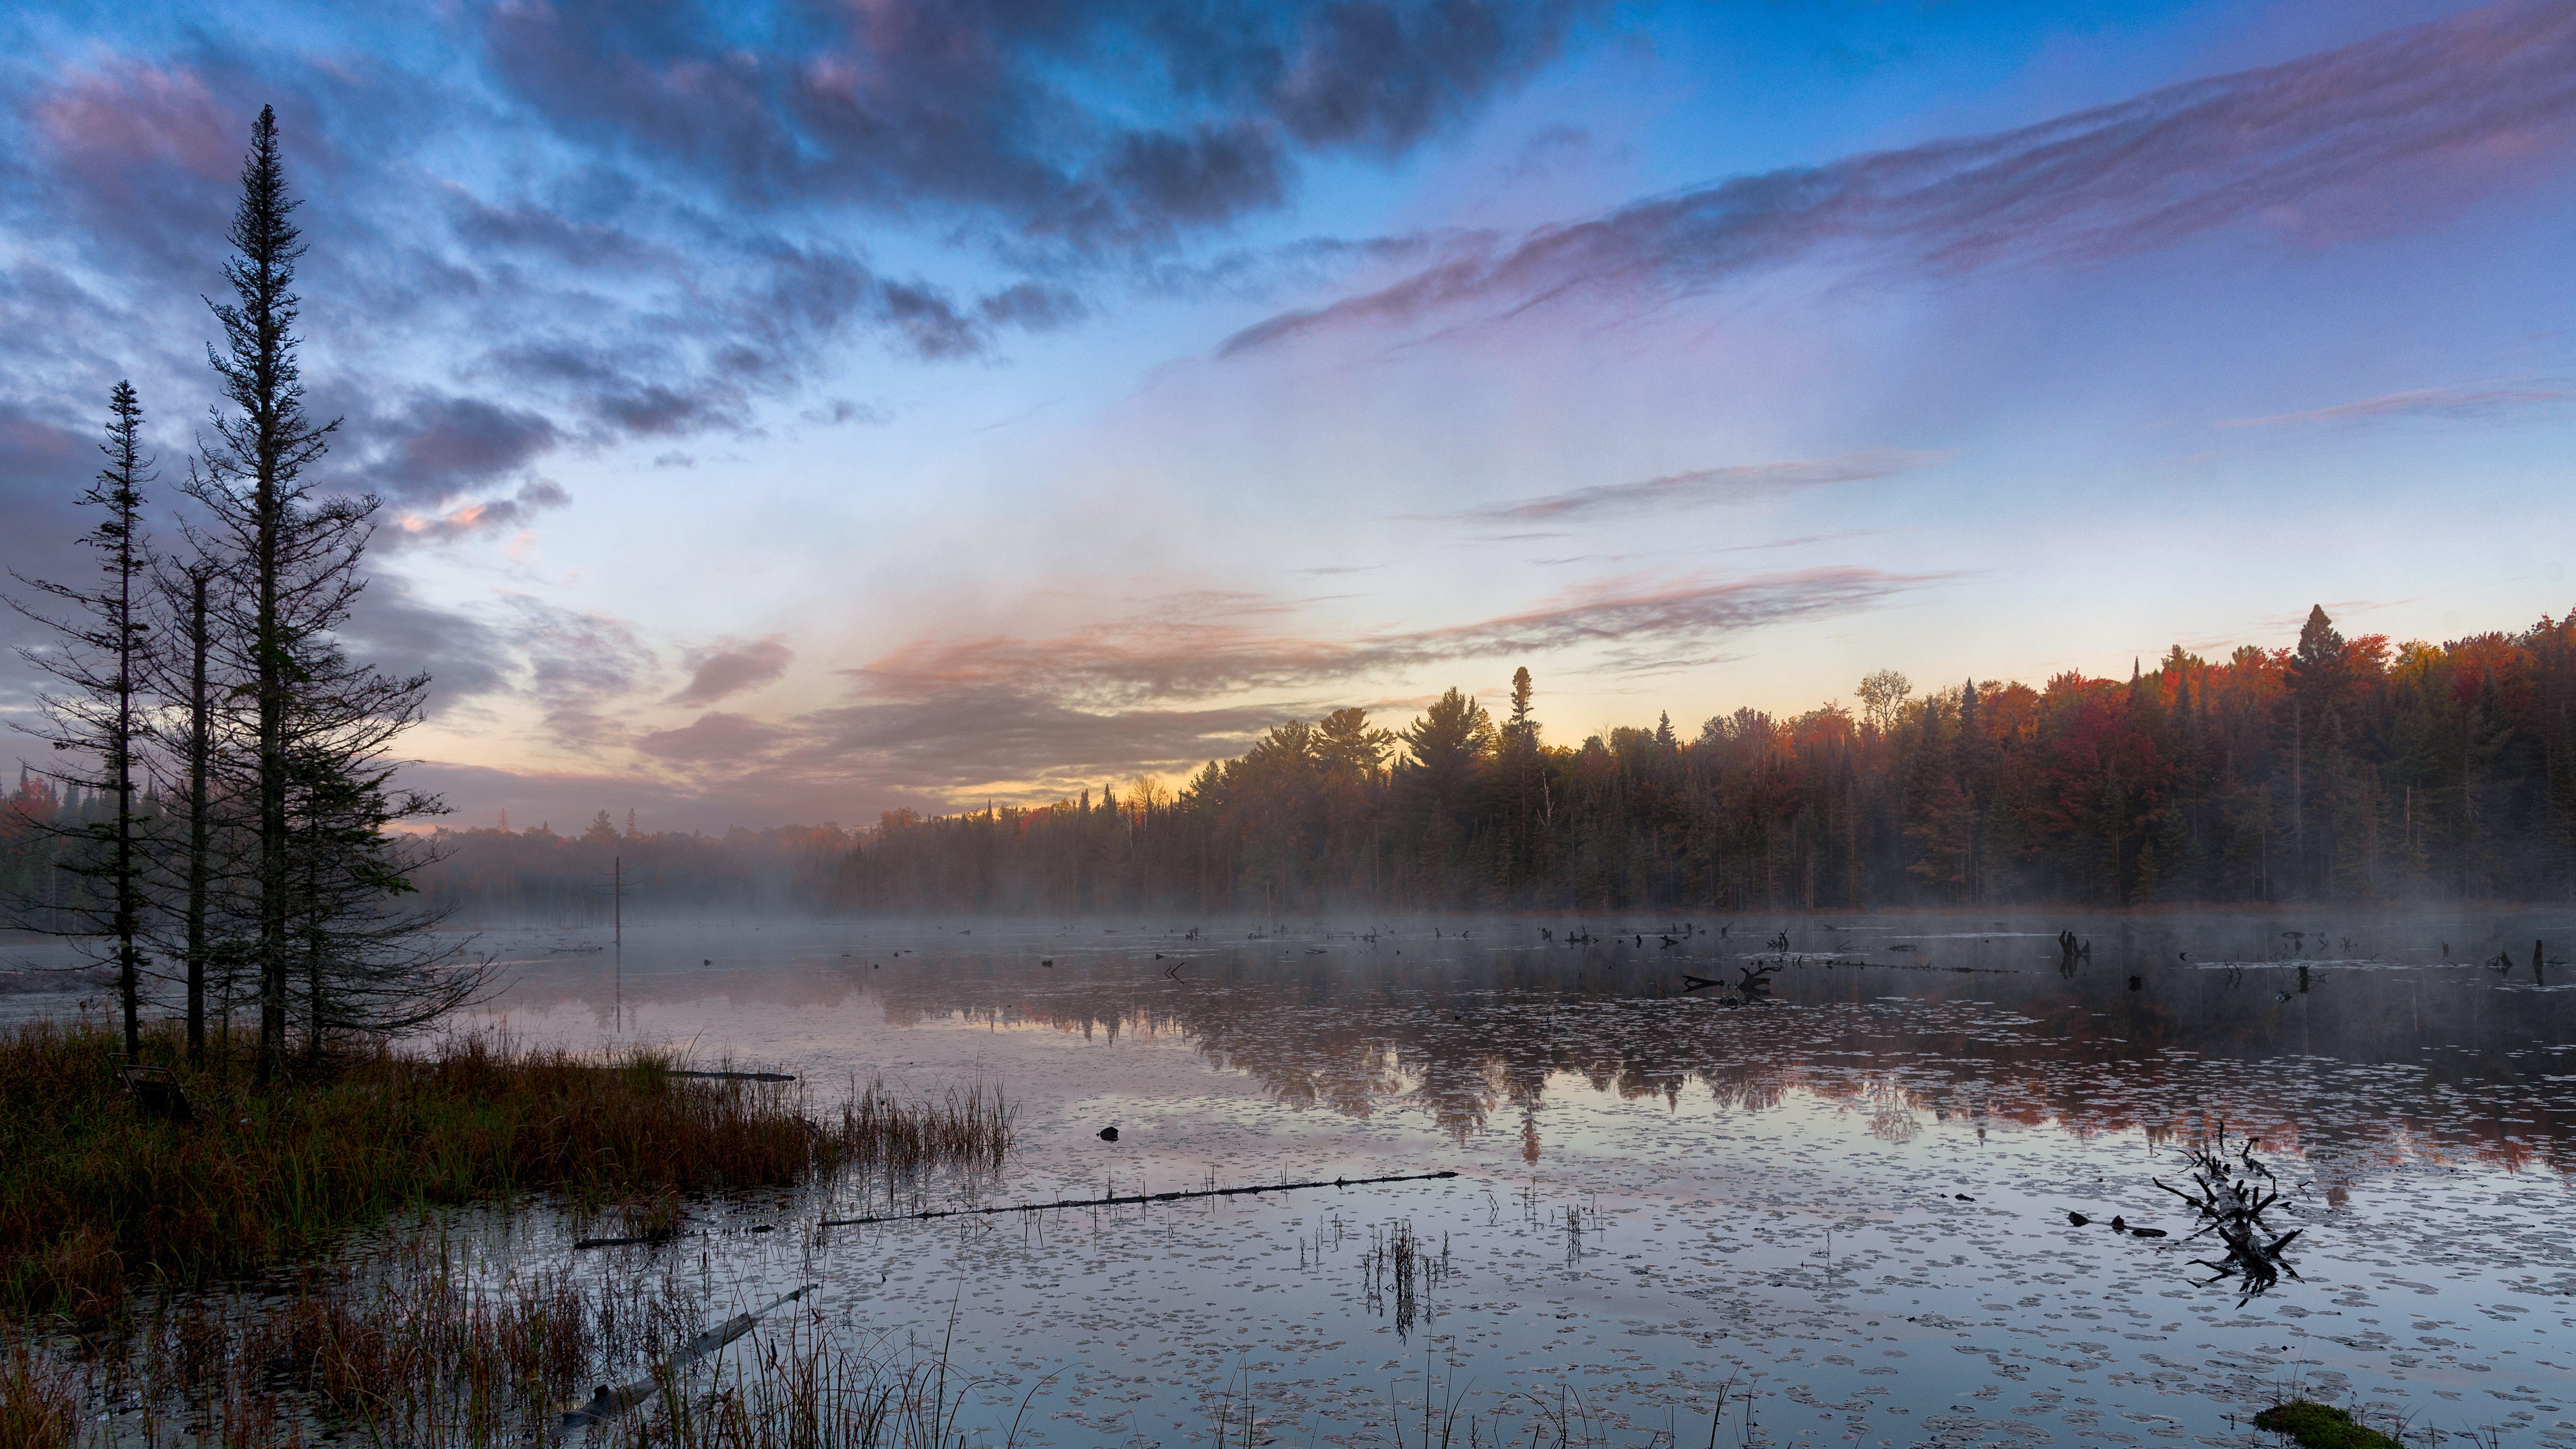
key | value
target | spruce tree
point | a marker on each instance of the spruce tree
(102, 641)
(315, 781)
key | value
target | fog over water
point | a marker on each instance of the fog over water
(1849, 1199)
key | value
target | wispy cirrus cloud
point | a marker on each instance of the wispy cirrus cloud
(1128, 663)
(2430, 402)
(1698, 488)
(2491, 91)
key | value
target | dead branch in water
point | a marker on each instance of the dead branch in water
(1141, 1197)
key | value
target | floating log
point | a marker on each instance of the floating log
(739, 1076)
(1121, 1200)
(648, 1238)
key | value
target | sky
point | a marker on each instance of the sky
(791, 412)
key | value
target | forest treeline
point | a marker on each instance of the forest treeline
(469, 878)
(534, 875)
(2334, 769)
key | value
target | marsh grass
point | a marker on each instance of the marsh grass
(967, 1128)
(39, 1403)
(425, 1347)
(98, 1198)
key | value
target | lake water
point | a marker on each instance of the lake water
(1835, 1215)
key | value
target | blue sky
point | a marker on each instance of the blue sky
(790, 412)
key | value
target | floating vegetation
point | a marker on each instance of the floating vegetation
(2322, 1426)
(2231, 1201)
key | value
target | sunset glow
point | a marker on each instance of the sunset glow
(787, 418)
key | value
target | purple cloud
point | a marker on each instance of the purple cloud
(1735, 483)
(2456, 94)
(732, 668)
(1126, 664)
(2437, 402)
(978, 107)
(713, 738)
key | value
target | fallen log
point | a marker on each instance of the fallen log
(1128, 1198)
(609, 1402)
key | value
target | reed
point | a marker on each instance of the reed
(968, 1128)
(96, 1195)
(39, 1405)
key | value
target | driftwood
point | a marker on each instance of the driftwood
(1753, 983)
(609, 1402)
(647, 1238)
(737, 1076)
(2231, 1203)
(1141, 1197)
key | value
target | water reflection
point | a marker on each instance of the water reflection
(1928, 1134)
(1983, 1027)
(2136, 1025)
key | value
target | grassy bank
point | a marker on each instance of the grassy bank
(97, 1196)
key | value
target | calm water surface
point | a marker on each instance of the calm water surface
(1842, 1211)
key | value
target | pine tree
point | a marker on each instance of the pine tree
(1522, 785)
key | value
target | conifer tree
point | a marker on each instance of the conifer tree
(102, 641)
(315, 781)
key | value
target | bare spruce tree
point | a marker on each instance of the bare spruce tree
(102, 638)
(194, 849)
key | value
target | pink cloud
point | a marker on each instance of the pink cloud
(1639, 622)
(112, 122)
(2441, 402)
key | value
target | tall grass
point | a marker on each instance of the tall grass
(418, 1348)
(39, 1405)
(969, 1129)
(96, 1196)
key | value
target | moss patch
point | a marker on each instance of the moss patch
(2321, 1426)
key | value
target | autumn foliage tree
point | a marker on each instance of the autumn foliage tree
(2331, 769)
